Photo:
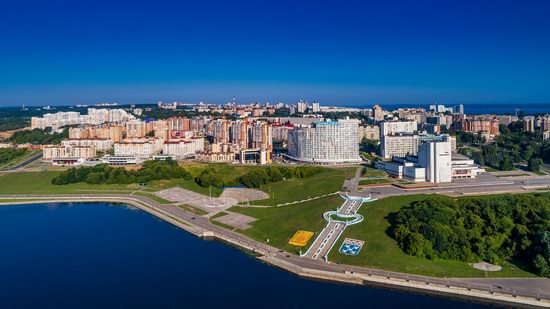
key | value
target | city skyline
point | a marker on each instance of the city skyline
(350, 54)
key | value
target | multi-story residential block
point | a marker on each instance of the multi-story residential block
(371, 132)
(136, 129)
(545, 124)
(94, 116)
(181, 149)
(214, 157)
(406, 144)
(331, 142)
(529, 124)
(397, 127)
(101, 144)
(478, 124)
(280, 132)
(315, 107)
(377, 113)
(68, 151)
(301, 106)
(141, 148)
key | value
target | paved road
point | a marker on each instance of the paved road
(521, 287)
(25, 163)
(464, 188)
(352, 184)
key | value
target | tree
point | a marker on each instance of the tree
(507, 164)
(493, 229)
(542, 266)
(534, 164)
(417, 245)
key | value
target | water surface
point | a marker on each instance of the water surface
(101, 255)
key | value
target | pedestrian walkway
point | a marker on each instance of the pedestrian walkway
(337, 222)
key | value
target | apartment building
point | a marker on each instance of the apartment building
(330, 142)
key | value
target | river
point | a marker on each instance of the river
(102, 255)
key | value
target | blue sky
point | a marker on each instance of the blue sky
(339, 52)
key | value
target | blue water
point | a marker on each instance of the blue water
(499, 109)
(99, 255)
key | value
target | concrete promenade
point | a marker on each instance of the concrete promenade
(502, 291)
(323, 244)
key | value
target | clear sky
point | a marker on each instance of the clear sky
(337, 52)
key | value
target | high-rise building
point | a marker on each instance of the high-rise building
(330, 142)
(435, 157)
(459, 109)
(545, 124)
(315, 107)
(301, 106)
(291, 110)
(529, 124)
(239, 133)
(377, 113)
(220, 131)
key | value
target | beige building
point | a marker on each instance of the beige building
(101, 144)
(369, 132)
(208, 156)
(183, 148)
(377, 112)
(60, 151)
(529, 124)
(141, 148)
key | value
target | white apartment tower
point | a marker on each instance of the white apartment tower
(315, 107)
(330, 142)
(301, 106)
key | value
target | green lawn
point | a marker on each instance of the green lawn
(366, 182)
(278, 224)
(372, 172)
(381, 251)
(40, 183)
(296, 189)
(14, 200)
(366, 155)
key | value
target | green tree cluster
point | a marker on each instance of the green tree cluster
(492, 229)
(39, 137)
(263, 176)
(513, 145)
(8, 154)
(106, 174)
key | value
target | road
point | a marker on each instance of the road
(486, 184)
(26, 162)
(518, 287)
